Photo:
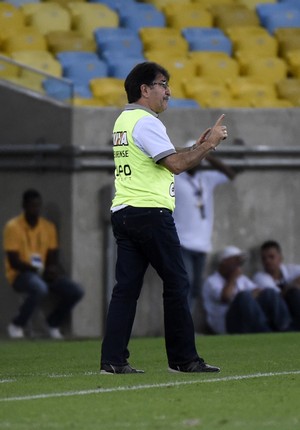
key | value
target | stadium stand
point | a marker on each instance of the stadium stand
(213, 41)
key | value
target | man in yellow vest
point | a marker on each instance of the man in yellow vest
(145, 164)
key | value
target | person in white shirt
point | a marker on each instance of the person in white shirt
(194, 217)
(234, 304)
(283, 278)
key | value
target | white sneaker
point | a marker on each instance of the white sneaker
(15, 332)
(55, 333)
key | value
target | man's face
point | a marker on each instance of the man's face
(32, 208)
(158, 94)
(271, 259)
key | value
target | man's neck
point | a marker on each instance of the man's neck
(32, 221)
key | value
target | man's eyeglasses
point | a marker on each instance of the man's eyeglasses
(163, 84)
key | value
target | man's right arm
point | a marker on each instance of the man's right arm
(185, 160)
(17, 264)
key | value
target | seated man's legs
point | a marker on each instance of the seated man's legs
(35, 289)
(292, 298)
(69, 293)
(275, 309)
(245, 315)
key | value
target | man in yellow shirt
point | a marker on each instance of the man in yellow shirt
(32, 267)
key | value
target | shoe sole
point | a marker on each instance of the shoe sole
(204, 371)
(104, 372)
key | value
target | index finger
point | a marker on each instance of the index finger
(219, 120)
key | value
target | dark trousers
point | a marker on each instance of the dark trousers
(194, 264)
(292, 298)
(148, 236)
(35, 289)
(267, 313)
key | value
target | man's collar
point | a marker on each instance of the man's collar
(132, 106)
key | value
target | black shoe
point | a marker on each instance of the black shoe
(109, 369)
(198, 366)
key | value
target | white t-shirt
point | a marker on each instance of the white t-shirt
(194, 224)
(215, 309)
(150, 135)
(289, 273)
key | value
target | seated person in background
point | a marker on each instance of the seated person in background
(32, 267)
(234, 304)
(283, 278)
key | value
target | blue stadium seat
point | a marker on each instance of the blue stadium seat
(82, 91)
(116, 5)
(266, 10)
(58, 89)
(81, 72)
(136, 16)
(68, 57)
(104, 33)
(207, 39)
(120, 67)
(287, 19)
(183, 103)
(131, 45)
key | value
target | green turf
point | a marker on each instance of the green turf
(70, 393)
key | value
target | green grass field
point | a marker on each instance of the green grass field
(56, 385)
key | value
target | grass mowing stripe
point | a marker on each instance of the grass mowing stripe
(146, 386)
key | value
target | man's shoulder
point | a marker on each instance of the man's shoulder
(16, 221)
(44, 222)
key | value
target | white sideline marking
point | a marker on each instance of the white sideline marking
(146, 386)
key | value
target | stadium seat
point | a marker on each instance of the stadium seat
(234, 16)
(139, 15)
(28, 9)
(129, 45)
(287, 18)
(116, 5)
(271, 69)
(47, 20)
(209, 4)
(60, 41)
(161, 4)
(12, 20)
(165, 39)
(26, 39)
(293, 61)
(248, 88)
(218, 69)
(269, 103)
(266, 10)
(70, 57)
(251, 4)
(110, 91)
(58, 89)
(87, 17)
(8, 69)
(183, 103)
(213, 97)
(19, 3)
(288, 41)
(179, 69)
(289, 89)
(207, 39)
(261, 44)
(191, 15)
(120, 67)
(82, 72)
(40, 60)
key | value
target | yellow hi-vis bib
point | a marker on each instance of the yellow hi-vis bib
(139, 181)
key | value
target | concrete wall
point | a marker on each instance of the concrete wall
(260, 204)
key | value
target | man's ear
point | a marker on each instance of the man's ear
(145, 90)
